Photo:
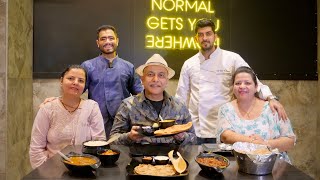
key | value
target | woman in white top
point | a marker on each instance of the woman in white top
(67, 120)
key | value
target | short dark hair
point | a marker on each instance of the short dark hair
(105, 27)
(73, 66)
(204, 22)
(245, 69)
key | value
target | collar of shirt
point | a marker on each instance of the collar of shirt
(166, 97)
(106, 61)
(212, 56)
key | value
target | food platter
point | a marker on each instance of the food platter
(137, 161)
(175, 129)
(151, 131)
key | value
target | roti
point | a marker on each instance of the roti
(173, 129)
(155, 170)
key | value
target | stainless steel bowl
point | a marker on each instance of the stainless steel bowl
(248, 166)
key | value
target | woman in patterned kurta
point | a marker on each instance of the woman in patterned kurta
(67, 120)
(250, 119)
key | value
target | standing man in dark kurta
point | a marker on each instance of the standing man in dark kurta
(110, 78)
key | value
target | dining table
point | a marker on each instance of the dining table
(54, 168)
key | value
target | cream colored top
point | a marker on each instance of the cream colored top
(54, 128)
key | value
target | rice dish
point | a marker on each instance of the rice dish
(95, 143)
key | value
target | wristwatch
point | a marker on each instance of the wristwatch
(273, 97)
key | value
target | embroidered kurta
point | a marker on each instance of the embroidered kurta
(54, 128)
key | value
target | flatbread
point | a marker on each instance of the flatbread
(173, 129)
(155, 170)
(260, 152)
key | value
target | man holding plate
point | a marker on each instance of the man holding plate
(147, 108)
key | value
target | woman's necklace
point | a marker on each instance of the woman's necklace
(68, 107)
(247, 113)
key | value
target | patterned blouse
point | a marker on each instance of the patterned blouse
(267, 125)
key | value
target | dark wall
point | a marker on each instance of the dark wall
(277, 38)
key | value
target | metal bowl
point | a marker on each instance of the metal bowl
(248, 166)
(211, 169)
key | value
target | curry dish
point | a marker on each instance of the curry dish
(109, 152)
(81, 161)
(213, 162)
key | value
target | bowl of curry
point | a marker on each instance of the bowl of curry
(212, 163)
(108, 156)
(81, 163)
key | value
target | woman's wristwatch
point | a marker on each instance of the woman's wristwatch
(272, 97)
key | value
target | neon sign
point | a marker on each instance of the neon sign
(171, 25)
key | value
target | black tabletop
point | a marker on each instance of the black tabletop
(55, 169)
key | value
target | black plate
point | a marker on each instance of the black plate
(137, 150)
(213, 148)
(222, 153)
(138, 160)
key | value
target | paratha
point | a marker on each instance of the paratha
(173, 129)
(155, 170)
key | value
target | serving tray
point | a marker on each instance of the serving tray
(135, 161)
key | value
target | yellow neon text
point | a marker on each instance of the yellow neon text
(165, 23)
(182, 5)
(192, 23)
(170, 42)
(173, 42)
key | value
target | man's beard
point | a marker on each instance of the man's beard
(107, 52)
(207, 48)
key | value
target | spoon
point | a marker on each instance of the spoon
(161, 119)
(64, 156)
(113, 138)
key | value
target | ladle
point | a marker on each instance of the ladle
(64, 156)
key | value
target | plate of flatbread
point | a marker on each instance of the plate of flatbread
(175, 129)
(137, 169)
(155, 170)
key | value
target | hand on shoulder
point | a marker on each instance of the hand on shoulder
(49, 99)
